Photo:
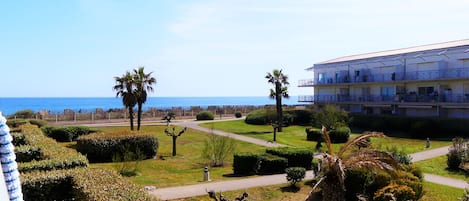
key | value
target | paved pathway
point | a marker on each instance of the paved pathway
(432, 153)
(223, 186)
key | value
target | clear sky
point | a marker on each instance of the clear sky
(74, 48)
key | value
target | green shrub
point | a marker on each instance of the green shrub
(24, 114)
(414, 170)
(340, 134)
(100, 147)
(27, 153)
(399, 155)
(66, 133)
(18, 139)
(54, 155)
(300, 116)
(356, 182)
(261, 117)
(295, 174)
(39, 123)
(408, 179)
(271, 164)
(238, 114)
(246, 163)
(80, 184)
(127, 162)
(313, 134)
(297, 157)
(394, 192)
(15, 123)
(422, 129)
(205, 115)
(457, 153)
(217, 148)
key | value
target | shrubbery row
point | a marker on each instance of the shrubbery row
(205, 115)
(53, 155)
(292, 116)
(80, 184)
(15, 123)
(339, 135)
(273, 161)
(27, 153)
(101, 147)
(66, 133)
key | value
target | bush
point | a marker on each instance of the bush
(100, 147)
(39, 123)
(356, 182)
(66, 133)
(394, 192)
(18, 139)
(457, 151)
(300, 116)
(270, 164)
(400, 155)
(27, 153)
(313, 134)
(297, 157)
(246, 163)
(205, 115)
(340, 134)
(24, 114)
(15, 123)
(218, 148)
(80, 184)
(238, 114)
(295, 174)
(331, 117)
(261, 117)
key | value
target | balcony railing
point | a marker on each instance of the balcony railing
(412, 98)
(454, 73)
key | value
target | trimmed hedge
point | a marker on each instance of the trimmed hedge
(246, 163)
(100, 147)
(261, 117)
(238, 114)
(292, 116)
(18, 139)
(66, 133)
(15, 123)
(340, 134)
(295, 174)
(271, 164)
(418, 127)
(313, 134)
(297, 157)
(54, 155)
(27, 153)
(80, 184)
(205, 115)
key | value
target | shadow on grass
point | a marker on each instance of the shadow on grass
(254, 132)
(290, 189)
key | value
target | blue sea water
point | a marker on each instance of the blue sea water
(58, 105)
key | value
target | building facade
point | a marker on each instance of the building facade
(429, 80)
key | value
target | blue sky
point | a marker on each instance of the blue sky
(202, 48)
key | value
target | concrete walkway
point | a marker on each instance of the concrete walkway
(432, 153)
(223, 186)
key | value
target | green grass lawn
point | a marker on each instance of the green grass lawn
(433, 192)
(438, 166)
(183, 169)
(296, 136)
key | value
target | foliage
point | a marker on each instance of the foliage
(127, 161)
(295, 174)
(39, 123)
(340, 134)
(126, 88)
(300, 116)
(458, 154)
(15, 123)
(313, 134)
(271, 164)
(24, 114)
(66, 133)
(27, 153)
(238, 114)
(280, 90)
(394, 192)
(465, 197)
(297, 157)
(217, 149)
(260, 117)
(331, 117)
(143, 84)
(80, 184)
(399, 155)
(205, 115)
(18, 139)
(54, 155)
(168, 117)
(246, 163)
(100, 147)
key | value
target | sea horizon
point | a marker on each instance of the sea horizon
(10, 105)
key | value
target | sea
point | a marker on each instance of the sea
(9, 106)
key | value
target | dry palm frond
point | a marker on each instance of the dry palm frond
(327, 139)
(357, 140)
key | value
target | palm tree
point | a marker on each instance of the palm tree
(125, 87)
(333, 167)
(280, 81)
(143, 84)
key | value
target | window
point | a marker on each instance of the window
(322, 78)
(388, 93)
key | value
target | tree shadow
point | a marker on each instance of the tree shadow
(290, 189)
(254, 132)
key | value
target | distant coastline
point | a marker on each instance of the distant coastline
(9, 106)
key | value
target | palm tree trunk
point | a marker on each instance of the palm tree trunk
(139, 115)
(332, 190)
(131, 116)
(278, 96)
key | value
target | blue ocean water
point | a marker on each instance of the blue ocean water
(58, 105)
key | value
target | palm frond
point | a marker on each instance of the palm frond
(357, 140)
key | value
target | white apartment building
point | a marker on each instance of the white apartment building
(429, 80)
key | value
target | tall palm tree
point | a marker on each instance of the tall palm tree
(143, 83)
(333, 166)
(125, 87)
(280, 81)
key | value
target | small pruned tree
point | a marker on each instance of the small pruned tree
(168, 117)
(295, 174)
(331, 117)
(174, 134)
(217, 149)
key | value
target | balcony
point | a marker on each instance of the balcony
(455, 73)
(403, 98)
